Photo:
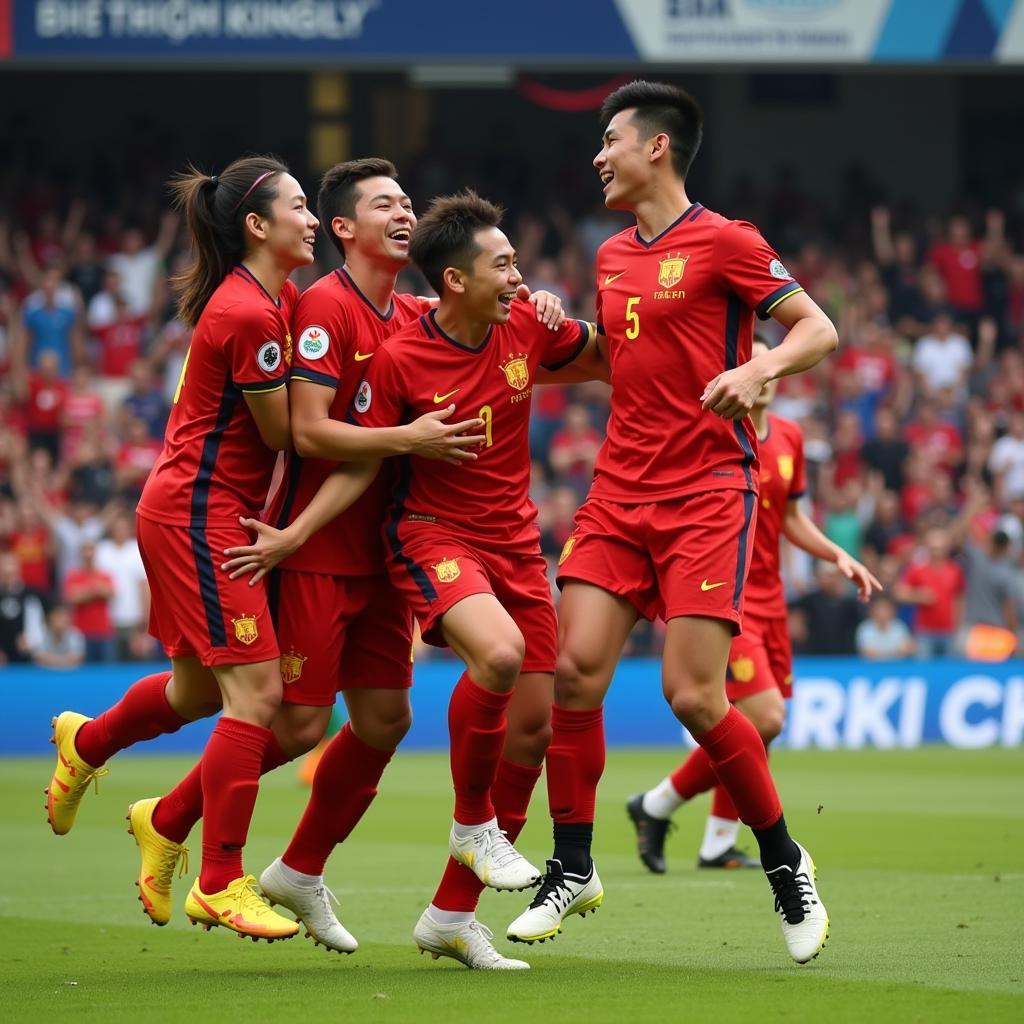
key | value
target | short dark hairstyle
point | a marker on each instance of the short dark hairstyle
(661, 108)
(337, 196)
(446, 234)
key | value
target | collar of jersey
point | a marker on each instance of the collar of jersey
(432, 318)
(243, 271)
(690, 211)
(346, 279)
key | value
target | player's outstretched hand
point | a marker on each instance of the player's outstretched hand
(858, 574)
(731, 394)
(271, 546)
(547, 304)
(431, 438)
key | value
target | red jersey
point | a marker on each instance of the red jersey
(960, 267)
(338, 330)
(677, 311)
(782, 479)
(214, 465)
(120, 344)
(422, 369)
(92, 617)
(945, 582)
(46, 400)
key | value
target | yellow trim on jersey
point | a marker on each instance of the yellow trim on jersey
(264, 391)
(782, 298)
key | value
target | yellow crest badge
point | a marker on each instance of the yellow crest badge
(447, 571)
(517, 372)
(671, 269)
(567, 549)
(742, 670)
(245, 629)
(786, 467)
(291, 667)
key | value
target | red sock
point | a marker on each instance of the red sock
(575, 761)
(344, 786)
(178, 811)
(737, 753)
(141, 714)
(230, 768)
(476, 726)
(694, 776)
(513, 786)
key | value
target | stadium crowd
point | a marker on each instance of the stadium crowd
(914, 431)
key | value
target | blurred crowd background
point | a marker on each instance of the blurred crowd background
(914, 430)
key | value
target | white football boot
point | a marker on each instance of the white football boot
(804, 918)
(487, 852)
(559, 896)
(311, 905)
(469, 942)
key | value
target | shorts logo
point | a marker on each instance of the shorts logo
(363, 397)
(517, 371)
(567, 549)
(447, 571)
(269, 356)
(786, 467)
(742, 670)
(245, 630)
(706, 586)
(776, 269)
(671, 269)
(291, 667)
(314, 343)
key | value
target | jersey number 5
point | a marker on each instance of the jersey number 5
(632, 318)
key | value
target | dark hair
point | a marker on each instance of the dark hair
(446, 234)
(215, 211)
(338, 191)
(661, 108)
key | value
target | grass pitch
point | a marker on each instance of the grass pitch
(920, 857)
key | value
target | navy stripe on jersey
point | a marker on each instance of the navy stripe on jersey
(732, 341)
(391, 531)
(584, 338)
(661, 234)
(346, 279)
(432, 317)
(197, 518)
(696, 213)
(741, 556)
(425, 321)
(243, 271)
(315, 377)
(274, 595)
(294, 471)
(766, 305)
(261, 387)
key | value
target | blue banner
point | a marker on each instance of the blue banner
(837, 702)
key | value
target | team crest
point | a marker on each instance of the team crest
(269, 357)
(671, 269)
(517, 372)
(245, 629)
(786, 467)
(447, 571)
(291, 667)
(742, 670)
(567, 549)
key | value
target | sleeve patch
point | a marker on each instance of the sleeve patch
(314, 342)
(364, 396)
(268, 358)
(776, 269)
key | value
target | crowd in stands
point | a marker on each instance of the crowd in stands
(914, 430)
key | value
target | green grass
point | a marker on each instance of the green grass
(920, 857)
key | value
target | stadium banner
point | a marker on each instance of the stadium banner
(837, 703)
(305, 33)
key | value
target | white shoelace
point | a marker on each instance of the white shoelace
(483, 944)
(494, 842)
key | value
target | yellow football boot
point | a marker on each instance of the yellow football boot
(160, 857)
(72, 775)
(239, 908)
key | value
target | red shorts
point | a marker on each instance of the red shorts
(435, 569)
(687, 556)
(195, 610)
(761, 659)
(340, 633)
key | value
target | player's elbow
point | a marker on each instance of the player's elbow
(277, 439)
(827, 335)
(304, 441)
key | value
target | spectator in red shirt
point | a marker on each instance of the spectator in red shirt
(121, 339)
(135, 458)
(934, 586)
(82, 408)
(88, 590)
(938, 440)
(574, 448)
(47, 394)
(32, 543)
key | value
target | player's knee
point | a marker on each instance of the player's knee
(769, 722)
(301, 737)
(695, 709)
(527, 742)
(574, 675)
(501, 663)
(384, 729)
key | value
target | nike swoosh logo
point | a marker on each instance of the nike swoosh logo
(712, 586)
(612, 277)
(440, 398)
(360, 357)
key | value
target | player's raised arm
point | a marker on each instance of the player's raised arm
(591, 363)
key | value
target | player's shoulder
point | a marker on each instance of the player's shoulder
(788, 432)
(408, 339)
(239, 306)
(408, 307)
(619, 242)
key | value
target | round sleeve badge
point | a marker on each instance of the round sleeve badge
(269, 357)
(363, 397)
(776, 269)
(314, 342)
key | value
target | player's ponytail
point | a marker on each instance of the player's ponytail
(215, 210)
